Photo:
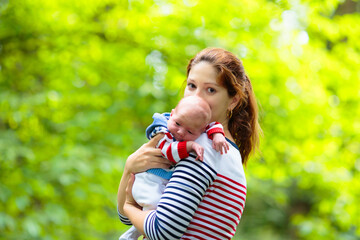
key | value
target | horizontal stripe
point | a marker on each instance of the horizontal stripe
(219, 213)
(209, 231)
(218, 202)
(232, 181)
(198, 203)
(209, 236)
(193, 237)
(215, 223)
(234, 200)
(216, 219)
(230, 192)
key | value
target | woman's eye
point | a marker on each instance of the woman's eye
(191, 85)
(211, 90)
(190, 132)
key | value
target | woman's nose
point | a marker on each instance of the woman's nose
(198, 93)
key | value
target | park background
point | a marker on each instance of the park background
(80, 80)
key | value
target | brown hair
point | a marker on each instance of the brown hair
(243, 123)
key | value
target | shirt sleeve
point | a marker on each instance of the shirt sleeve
(180, 200)
(172, 150)
(214, 127)
(124, 219)
(158, 125)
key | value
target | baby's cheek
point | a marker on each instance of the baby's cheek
(195, 137)
(171, 128)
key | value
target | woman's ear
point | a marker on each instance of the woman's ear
(234, 102)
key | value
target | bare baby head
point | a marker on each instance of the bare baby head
(189, 118)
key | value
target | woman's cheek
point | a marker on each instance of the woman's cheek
(187, 93)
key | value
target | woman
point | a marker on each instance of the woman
(203, 200)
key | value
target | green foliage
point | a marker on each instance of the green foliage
(80, 80)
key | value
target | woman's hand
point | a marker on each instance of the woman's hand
(132, 209)
(146, 157)
(129, 197)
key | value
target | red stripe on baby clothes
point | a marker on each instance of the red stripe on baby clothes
(211, 125)
(162, 143)
(182, 150)
(215, 130)
(169, 155)
(168, 135)
(214, 127)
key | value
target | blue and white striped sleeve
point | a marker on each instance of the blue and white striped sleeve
(123, 219)
(158, 125)
(180, 200)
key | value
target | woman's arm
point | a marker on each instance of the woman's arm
(181, 199)
(146, 157)
(178, 204)
(131, 208)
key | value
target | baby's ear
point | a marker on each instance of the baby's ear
(172, 112)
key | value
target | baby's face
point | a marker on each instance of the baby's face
(184, 128)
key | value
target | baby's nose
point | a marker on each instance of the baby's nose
(181, 132)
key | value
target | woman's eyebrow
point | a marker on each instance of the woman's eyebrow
(211, 83)
(208, 83)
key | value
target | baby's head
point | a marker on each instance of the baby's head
(189, 118)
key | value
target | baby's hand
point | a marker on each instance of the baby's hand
(220, 143)
(198, 149)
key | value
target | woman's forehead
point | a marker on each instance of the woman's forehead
(202, 71)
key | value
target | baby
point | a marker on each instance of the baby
(187, 122)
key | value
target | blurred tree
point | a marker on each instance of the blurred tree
(80, 80)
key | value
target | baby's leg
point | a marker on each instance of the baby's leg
(147, 189)
(131, 234)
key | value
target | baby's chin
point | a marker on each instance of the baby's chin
(189, 139)
(183, 139)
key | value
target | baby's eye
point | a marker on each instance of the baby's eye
(177, 123)
(190, 132)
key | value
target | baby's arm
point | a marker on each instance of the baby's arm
(215, 131)
(219, 143)
(175, 151)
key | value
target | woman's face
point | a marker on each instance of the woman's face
(202, 82)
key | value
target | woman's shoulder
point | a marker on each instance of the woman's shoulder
(207, 143)
(228, 164)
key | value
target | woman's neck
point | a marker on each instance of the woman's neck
(228, 135)
(226, 130)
